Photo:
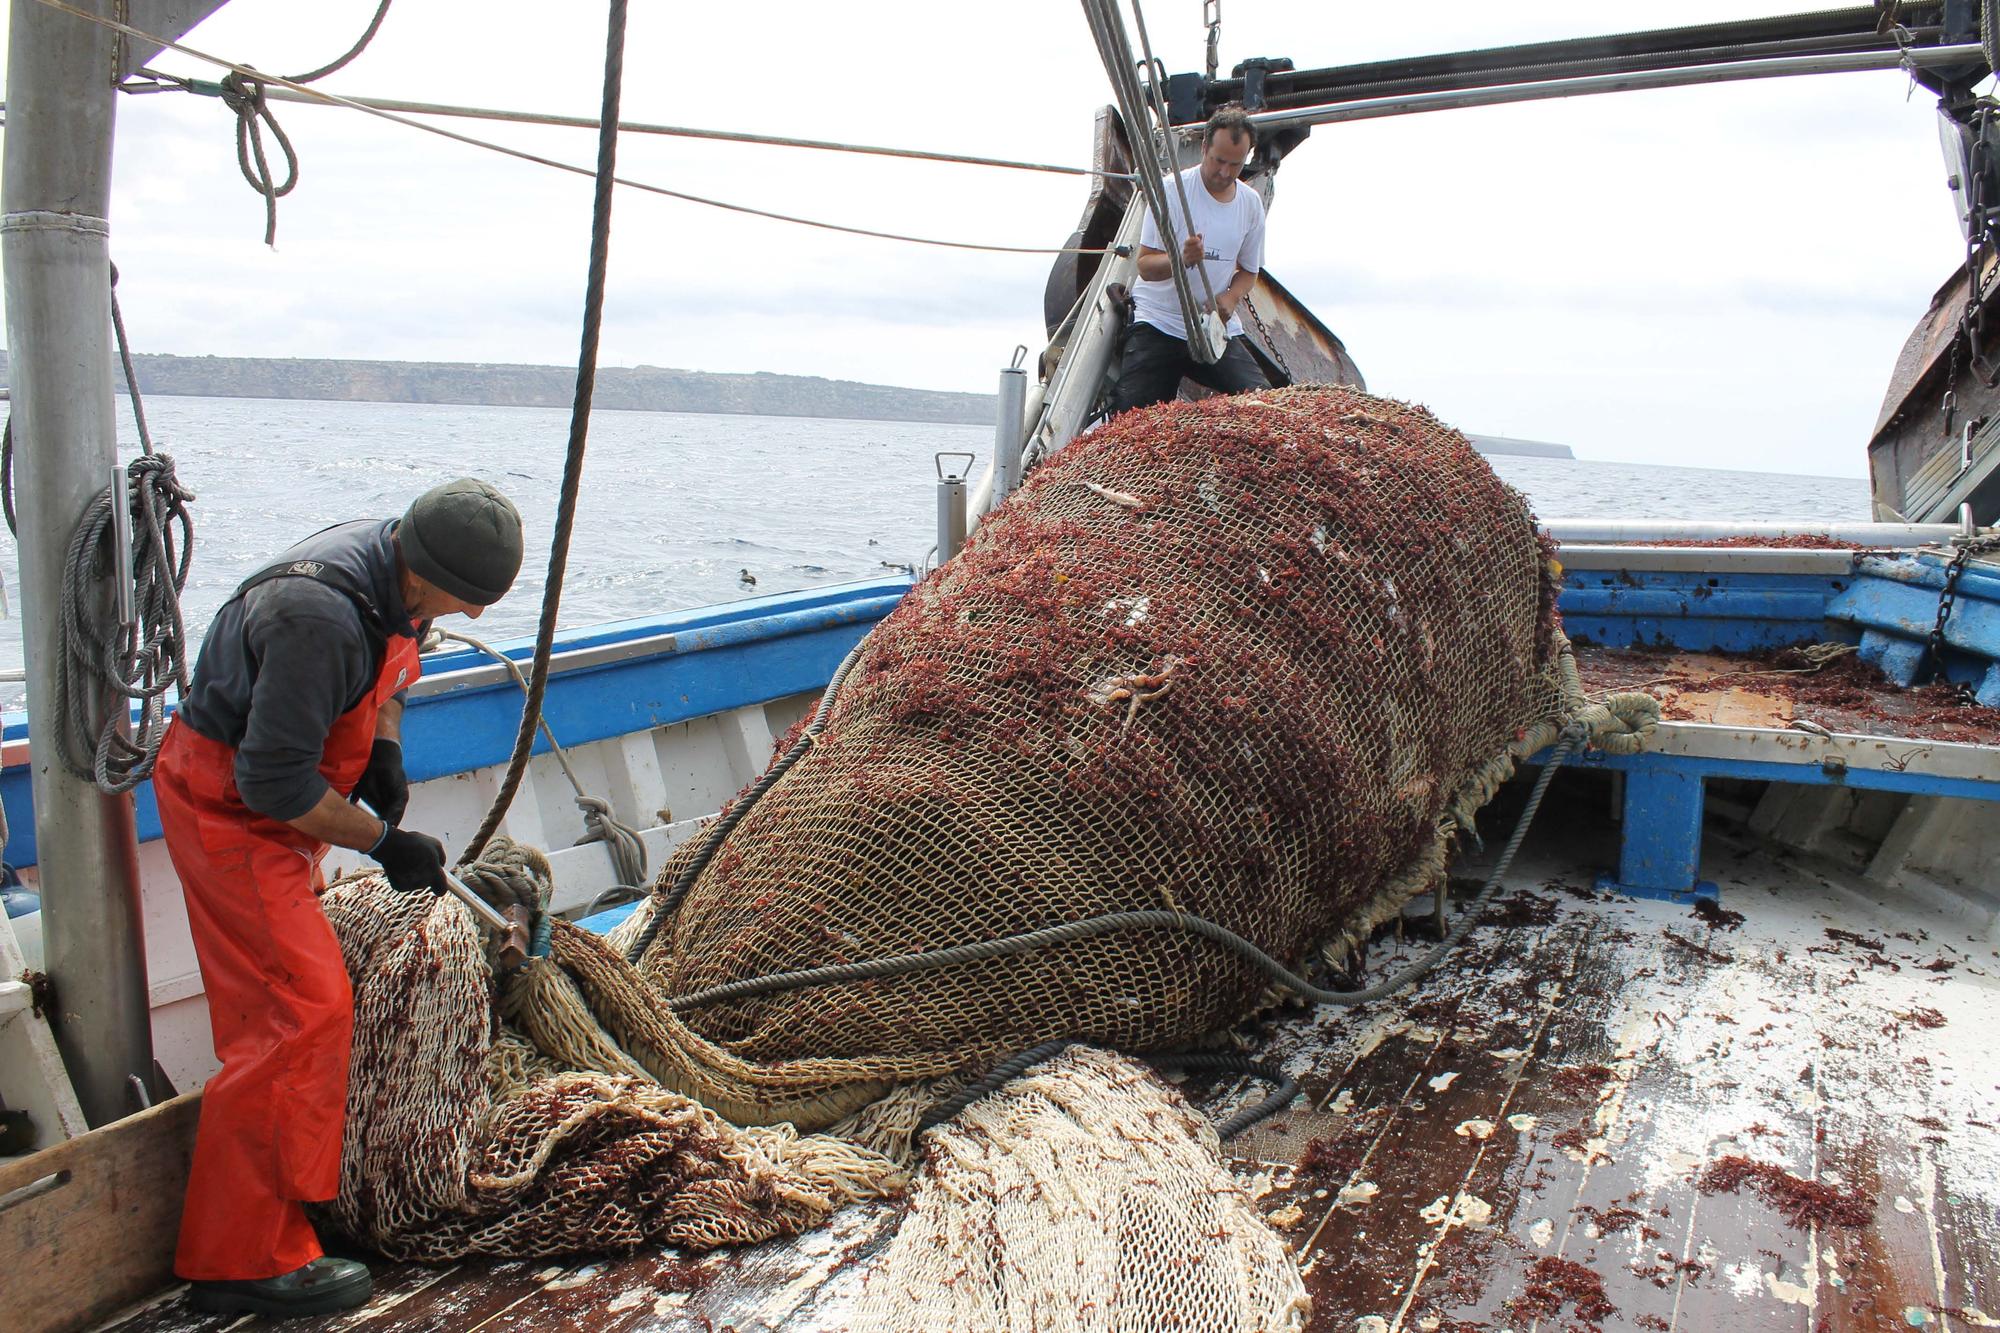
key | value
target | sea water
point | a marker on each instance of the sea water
(684, 509)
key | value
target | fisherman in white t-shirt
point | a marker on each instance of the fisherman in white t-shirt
(1226, 241)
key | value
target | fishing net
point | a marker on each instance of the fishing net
(1252, 661)
(1148, 1232)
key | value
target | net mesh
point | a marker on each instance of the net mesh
(1253, 659)
(1249, 659)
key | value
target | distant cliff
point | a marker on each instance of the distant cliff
(641, 388)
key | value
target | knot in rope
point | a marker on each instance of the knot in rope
(628, 853)
(244, 95)
(1621, 723)
(510, 874)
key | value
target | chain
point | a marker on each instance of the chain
(1269, 341)
(1967, 548)
(1966, 337)
(1211, 14)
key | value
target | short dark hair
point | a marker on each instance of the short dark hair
(1231, 119)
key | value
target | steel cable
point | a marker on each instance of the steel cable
(334, 99)
(579, 429)
(1224, 1062)
(1115, 50)
(1071, 931)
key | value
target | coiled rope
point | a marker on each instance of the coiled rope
(242, 91)
(1047, 937)
(579, 429)
(621, 840)
(141, 657)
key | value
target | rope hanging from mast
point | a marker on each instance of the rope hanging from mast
(139, 651)
(579, 431)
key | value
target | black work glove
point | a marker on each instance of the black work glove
(413, 860)
(383, 783)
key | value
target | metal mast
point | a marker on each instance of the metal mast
(55, 248)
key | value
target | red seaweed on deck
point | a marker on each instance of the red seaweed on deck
(1553, 1283)
(1802, 1202)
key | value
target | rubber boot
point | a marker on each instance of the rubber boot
(320, 1287)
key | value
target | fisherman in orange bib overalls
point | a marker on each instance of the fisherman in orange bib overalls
(294, 717)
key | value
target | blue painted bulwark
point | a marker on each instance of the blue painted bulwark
(1696, 611)
(694, 664)
(1894, 601)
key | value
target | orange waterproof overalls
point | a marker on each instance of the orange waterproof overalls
(278, 997)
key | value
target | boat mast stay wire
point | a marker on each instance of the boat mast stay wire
(334, 99)
(175, 83)
(1155, 76)
(1116, 52)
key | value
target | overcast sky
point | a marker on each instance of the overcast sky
(1716, 276)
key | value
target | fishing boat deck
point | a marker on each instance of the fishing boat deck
(1526, 1139)
(1778, 689)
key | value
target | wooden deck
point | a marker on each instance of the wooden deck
(1764, 690)
(1522, 1132)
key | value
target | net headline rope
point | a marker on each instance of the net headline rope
(579, 429)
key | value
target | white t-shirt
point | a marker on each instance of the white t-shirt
(1232, 236)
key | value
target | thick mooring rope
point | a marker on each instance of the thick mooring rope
(579, 429)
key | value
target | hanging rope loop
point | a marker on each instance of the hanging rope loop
(243, 93)
(245, 96)
(579, 428)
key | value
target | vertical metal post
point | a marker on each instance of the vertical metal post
(950, 507)
(1007, 428)
(55, 252)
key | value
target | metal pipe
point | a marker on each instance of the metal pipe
(1374, 108)
(1007, 423)
(950, 508)
(55, 251)
(1592, 530)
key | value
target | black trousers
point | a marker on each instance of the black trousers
(1156, 362)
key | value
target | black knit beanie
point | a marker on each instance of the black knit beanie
(464, 537)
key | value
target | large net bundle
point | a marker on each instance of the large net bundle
(1147, 1229)
(1251, 660)
(536, 1137)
